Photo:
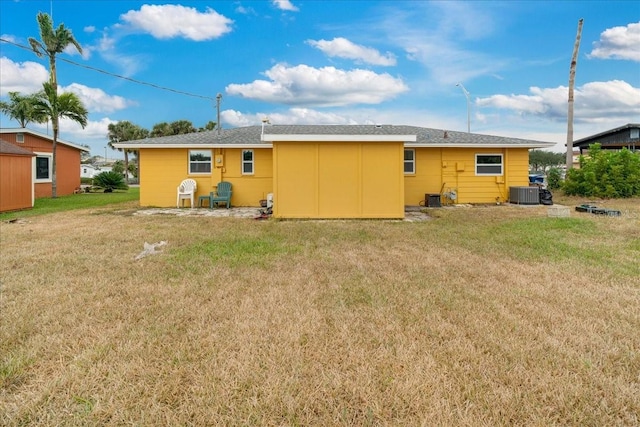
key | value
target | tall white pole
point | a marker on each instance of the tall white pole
(572, 79)
(466, 94)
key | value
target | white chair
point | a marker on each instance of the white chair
(186, 191)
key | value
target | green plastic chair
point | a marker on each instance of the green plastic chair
(221, 195)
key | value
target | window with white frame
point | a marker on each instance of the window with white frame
(489, 164)
(42, 167)
(409, 161)
(199, 161)
(20, 137)
(247, 162)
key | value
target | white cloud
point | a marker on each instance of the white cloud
(9, 38)
(245, 10)
(169, 21)
(128, 64)
(327, 86)
(618, 43)
(235, 118)
(593, 102)
(436, 35)
(94, 130)
(96, 100)
(284, 5)
(343, 48)
(24, 77)
(293, 116)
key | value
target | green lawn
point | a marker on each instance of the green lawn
(46, 205)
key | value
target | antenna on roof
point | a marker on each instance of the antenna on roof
(218, 124)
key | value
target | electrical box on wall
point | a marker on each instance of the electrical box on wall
(219, 160)
(460, 166)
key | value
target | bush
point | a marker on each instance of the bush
(554, 178)
(110, 181)
(606, 174)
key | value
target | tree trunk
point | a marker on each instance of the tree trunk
(572, 78)
(55, 125)
(54, 182)
(126, 166)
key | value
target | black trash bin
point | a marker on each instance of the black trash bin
(546, 198)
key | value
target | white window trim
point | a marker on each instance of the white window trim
(252, 162)
(45, 180)
(413, 161)
(190, 162)
(20, 138)
(490, 174)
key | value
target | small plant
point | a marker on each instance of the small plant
(110, 181)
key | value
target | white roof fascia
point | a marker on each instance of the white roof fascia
(190, 146)
(470, 145)
(337, 138)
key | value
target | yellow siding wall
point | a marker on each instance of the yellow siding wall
(449, 169)
(248, 190)
(338, 180)
(428, 176)
(162, 170)
(335, 180)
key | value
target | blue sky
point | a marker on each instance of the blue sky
(335, 62)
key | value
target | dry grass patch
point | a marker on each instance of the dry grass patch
(483, 316)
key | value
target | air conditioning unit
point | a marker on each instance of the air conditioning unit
(432, 200)
(524, 195)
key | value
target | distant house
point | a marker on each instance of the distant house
(334, 171)
(614, 139)
(89, 171)
(16, 183)
(41, 145)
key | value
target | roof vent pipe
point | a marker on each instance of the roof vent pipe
(265, 121)
(446, 134)
(218, 124)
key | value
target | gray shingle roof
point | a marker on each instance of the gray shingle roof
(251, 136)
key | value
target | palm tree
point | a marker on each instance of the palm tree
(125, 131)
(53, 106)
(52, 43)
(211, 125)
(161, 129)
(55, 41)
(178, 127)
(20, 108)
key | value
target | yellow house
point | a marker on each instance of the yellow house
(335, 171)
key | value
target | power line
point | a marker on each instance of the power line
(117, 75)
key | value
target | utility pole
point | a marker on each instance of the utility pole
(572, 79)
